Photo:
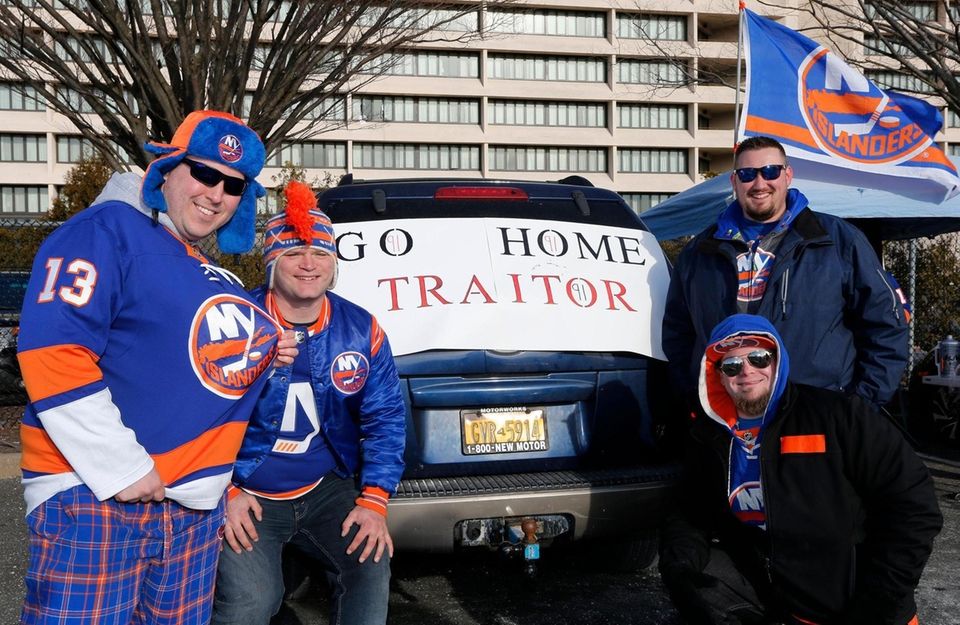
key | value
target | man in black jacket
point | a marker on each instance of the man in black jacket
(815, 277)
(799, 505)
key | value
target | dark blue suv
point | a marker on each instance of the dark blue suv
(525, 319)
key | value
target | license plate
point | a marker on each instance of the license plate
(503, 430)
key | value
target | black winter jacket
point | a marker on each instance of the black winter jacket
(849, 528)
(827, 295)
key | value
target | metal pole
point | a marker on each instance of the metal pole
(736, 104)
(912, 290)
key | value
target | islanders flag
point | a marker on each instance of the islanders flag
(835, 124)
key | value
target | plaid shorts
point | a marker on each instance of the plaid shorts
(104, 562)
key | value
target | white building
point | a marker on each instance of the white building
(566, 87)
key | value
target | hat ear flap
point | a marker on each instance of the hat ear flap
(151, 188)
(237, 235)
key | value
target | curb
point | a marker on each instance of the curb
(9, 465)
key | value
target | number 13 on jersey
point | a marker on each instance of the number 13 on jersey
(79, 292)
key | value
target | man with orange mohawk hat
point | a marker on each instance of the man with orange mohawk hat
(324, 449)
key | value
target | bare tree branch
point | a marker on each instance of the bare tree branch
(920, 40)
(127, 71)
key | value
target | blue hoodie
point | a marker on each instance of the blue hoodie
(744, 490)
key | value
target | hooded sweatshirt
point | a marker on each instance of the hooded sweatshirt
(744, 490)
(848, 510)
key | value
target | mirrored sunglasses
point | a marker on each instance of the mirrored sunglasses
(758, 359)
(212, 177)
(768, 172)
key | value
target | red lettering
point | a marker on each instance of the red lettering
(394, 300)
(546, 286)
(516, 288)
(437, 283)
(621, 291)
(475, 284)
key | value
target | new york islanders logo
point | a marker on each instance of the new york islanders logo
(850, 117)
(349, 372)
(746, 503)
(231, 343)
(231, 150)
(753, 273)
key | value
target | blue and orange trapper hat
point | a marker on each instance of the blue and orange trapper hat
(301, 224)
(222, 138)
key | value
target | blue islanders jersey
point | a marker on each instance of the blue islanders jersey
(137, 352)
(299, 457)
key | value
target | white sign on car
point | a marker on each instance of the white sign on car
(506, 284)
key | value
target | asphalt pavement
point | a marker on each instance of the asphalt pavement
(480, 589)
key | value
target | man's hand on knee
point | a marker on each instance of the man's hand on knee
(240, 530)
(372, 528)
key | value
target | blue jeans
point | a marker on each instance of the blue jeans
(250, 585)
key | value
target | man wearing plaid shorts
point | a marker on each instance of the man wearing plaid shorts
(143, 361)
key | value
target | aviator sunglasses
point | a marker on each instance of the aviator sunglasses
(768, 172)
(758, 359)
(211, 177)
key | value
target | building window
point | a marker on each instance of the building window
(23, 148)
(424, 18)
(73, 149)
(422, 110)
(639, 72)
(311, 155)
(641, 202)
(953, 119)
(18, 97)
(648, 161)
(441, 64)
(954, 149)
(875, 46)
(650, 26)
(653, 116)
(416, 156)
(918, 9)
(898, 81)
(76, 50)
(565, 68)
(517, 158)
(536, 113)
(547, 22)
(22, 199)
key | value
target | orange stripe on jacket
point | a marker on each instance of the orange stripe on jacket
(49, 371)
(40, 454)
(376, 337)
(213, 448)
(803, 444)
(290, 494)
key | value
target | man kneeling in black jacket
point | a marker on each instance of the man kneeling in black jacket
(799, 505)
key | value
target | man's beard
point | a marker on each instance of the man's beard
(752, 407)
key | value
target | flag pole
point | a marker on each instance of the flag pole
(736, 104)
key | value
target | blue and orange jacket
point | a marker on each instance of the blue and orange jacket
(361, 413)
(137, 352)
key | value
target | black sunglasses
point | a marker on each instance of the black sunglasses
(211, 177)
(769, 172)
(758, 359)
